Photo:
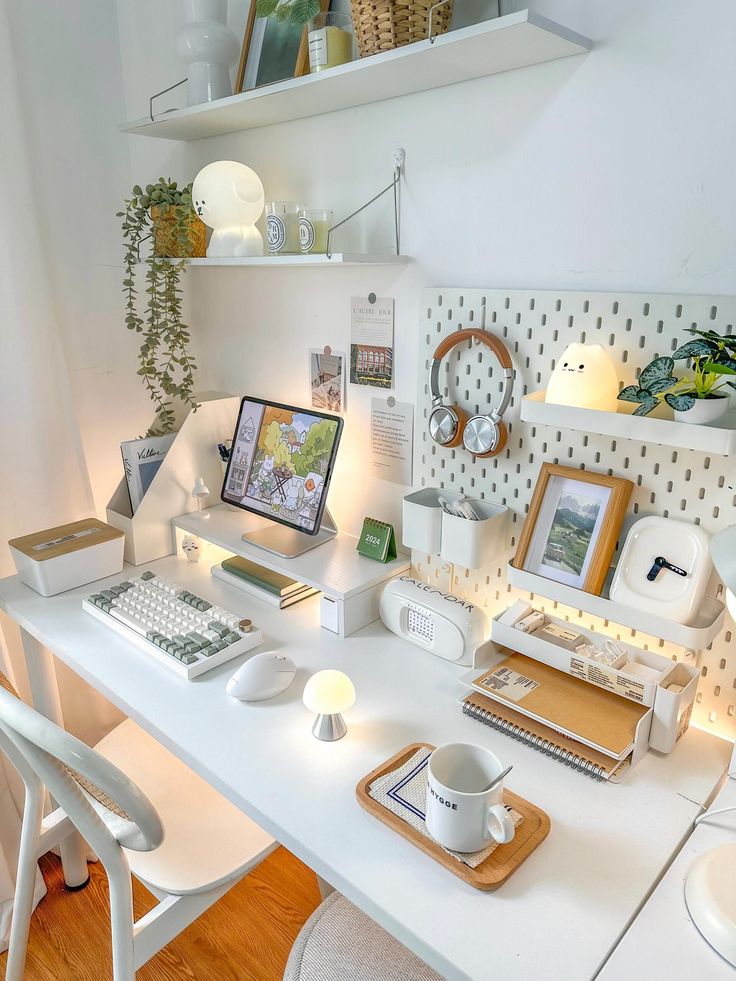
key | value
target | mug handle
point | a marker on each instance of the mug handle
(499, 824)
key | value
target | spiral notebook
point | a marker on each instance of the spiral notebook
(590, 729)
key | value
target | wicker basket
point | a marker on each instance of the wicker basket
(165, 242)
(381, 25)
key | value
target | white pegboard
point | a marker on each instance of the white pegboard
(536, 327)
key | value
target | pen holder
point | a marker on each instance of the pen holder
(422, 519)
(672, 709)
(474, 544)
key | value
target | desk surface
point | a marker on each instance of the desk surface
(663, 942)
(557, 917)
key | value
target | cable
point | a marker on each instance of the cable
(710, 814)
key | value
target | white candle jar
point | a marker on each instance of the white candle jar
(313, 228)
(282, 227)
(331, 40)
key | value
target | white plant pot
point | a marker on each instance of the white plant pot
(704, 411)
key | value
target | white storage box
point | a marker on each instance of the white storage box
(473, 544)
(61, 558)
(422, 520)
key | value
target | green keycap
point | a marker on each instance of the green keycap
(146, 576)
(150, 634)
(204, 606)
(126, 585)
(116, 590)
(107, 594)
(188, 659)
(231, 638)
(209, 650)
(218, 645)
(197, 638)
(219, 628)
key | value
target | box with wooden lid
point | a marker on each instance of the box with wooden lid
(57, 559)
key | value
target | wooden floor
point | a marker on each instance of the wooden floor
(247, 936)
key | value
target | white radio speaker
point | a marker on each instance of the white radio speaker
(438, 622)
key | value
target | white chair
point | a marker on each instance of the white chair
(142, 811)
(340, 943)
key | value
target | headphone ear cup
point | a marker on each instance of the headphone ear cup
(503, 435)
(462, 418)
(446, 424)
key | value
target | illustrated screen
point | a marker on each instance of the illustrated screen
(280, 462)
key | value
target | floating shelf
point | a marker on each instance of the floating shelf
(514, 41)
(696, 636)
(718, 437)
(336, 259)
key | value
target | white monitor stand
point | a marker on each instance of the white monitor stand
(289, 542)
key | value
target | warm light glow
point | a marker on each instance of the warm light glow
(585, 378)
(228, 197)
(329, 692)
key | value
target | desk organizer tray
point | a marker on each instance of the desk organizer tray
(531, 830)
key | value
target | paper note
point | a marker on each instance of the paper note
(392, 440)
(510, 683)
(372, 341)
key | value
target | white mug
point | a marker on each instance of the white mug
(461, 814)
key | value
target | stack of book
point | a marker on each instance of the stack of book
(271, 587)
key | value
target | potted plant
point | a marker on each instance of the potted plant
(695, 398)
(162, 216)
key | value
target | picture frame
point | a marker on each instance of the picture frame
(272, 51)
(572, 527)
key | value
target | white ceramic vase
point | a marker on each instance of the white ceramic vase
(208, 47)
(704, 411)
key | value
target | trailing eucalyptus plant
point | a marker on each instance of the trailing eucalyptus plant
(295, 11)
(713, 359)
(165, 364)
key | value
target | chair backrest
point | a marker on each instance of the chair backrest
(65, 765)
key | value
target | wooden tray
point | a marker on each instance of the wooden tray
(499, 865)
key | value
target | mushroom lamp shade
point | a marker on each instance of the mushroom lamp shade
(228, 197)
(584, 377)
(328, 693)
(710, 884)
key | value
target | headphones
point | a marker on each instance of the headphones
(481, 435)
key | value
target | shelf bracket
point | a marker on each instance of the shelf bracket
(395, 186)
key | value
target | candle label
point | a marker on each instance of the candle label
(306, 234)
(276, 232)
(318, 49)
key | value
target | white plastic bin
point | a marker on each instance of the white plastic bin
(422, 519)
(672, 709)
(474, 544)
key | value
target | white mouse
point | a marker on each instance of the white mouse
(263, 676)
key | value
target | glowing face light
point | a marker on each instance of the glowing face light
(228, 197)
(584, 377)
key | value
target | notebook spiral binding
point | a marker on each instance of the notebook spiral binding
(542, 745)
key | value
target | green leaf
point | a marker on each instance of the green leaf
(655, 371)
(695, 349)
(721, 367)
(629, 394)
(264, 8)
(304, 10)
(646, 407)
(663, 385)
(680, 402)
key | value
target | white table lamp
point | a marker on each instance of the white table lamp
(710, 885)
(585, 378)
(228, 197)
(328, 693)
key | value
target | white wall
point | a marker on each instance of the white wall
(608, 171)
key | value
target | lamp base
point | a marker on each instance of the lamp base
(329, 727)
(710, 895)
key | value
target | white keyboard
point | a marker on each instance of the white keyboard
(181, 630)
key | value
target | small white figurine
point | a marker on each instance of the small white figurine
(200, 492)
(191, 548)
(584, 377)
(228, 196)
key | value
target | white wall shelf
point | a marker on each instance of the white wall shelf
(695, 637)
(335, 259)
(718, 437)
(514, 41)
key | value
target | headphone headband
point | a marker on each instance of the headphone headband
(490, 340)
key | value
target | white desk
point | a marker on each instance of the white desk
(663, 941)
(558, 917)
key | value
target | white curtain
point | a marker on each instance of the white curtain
(43, 480)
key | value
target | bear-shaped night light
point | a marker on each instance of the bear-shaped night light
(584, 377)
(228, 197)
